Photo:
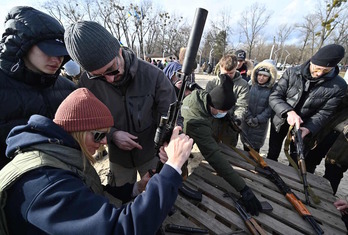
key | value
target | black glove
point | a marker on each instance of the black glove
(251, 203)
(238, 122)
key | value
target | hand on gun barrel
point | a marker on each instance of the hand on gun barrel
(301, 160)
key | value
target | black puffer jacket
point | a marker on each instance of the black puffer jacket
(316, 109)
(23, 92)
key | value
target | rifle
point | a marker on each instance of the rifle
(174, 228)
(168, 122)
(301, 160)
(249, 221)
(274, 177)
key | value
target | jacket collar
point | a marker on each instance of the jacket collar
(38, 130)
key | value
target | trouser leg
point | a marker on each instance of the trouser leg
(334, 174)
(314, 156)
(276, 141)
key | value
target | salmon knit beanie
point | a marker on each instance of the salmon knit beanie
(82, 111)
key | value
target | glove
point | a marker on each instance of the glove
(249, 121)
(252, 122)
(251, 203)
(255, 121)
(238, 122)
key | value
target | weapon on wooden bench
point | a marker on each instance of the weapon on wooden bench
(274, 177)
(249, 221)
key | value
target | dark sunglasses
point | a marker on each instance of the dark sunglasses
(111, 73)
(98, 136)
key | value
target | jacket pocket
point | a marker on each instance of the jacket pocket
(141, 112)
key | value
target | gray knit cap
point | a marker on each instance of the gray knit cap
(90, 44)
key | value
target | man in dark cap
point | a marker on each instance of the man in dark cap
(32, 55)
(243, 65)
(306, 96)
(200, 109)
(136, 93)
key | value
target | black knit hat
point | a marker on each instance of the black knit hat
(90, 44)
(328, 56)
(241, 55)
(222, 97)
(264, 71)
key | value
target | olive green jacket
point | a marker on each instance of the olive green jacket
(198, 125)
(240, 91)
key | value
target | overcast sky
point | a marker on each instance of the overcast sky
(284, 11)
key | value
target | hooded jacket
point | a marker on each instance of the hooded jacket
(24, 92)
(136, 105)
(323, 96)
(54, 200)
(258, 106)
(198, 124)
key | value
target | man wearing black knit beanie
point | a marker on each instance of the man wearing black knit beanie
(306, 96)
(201, 111)
(136, 93)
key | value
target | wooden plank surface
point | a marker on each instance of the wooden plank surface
(218, 214)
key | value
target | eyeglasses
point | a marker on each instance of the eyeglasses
(316, 69)
(110, 73)
(98, 136)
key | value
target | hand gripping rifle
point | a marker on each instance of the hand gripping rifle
(301, 160)
(274, 177)
(167, 123)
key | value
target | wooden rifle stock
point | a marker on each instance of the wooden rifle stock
(273, 176)
(249, 221)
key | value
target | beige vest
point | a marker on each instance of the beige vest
(28, 161)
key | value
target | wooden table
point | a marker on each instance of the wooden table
(218, 214)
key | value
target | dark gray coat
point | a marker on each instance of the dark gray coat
(324, 96)
(258, 106)
(136, 106)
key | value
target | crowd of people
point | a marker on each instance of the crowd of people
(66, 93)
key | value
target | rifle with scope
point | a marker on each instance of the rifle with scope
(168, 122)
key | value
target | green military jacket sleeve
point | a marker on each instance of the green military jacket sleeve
(197, 124)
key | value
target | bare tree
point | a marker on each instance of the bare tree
(71, 10)
(328, 16)
(308, 35)
(283, 35)
(222, 29)
(253, 21)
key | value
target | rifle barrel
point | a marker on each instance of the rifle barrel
(167, 123)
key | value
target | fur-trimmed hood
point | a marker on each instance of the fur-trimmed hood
(272, 70)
